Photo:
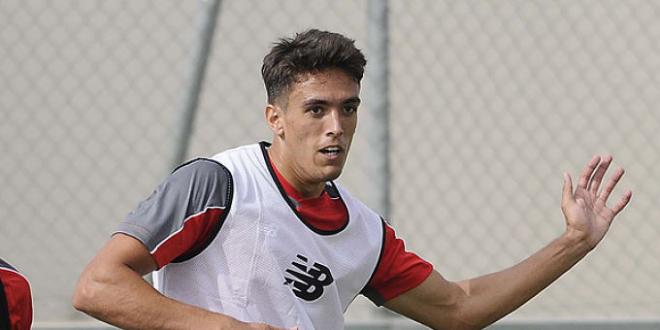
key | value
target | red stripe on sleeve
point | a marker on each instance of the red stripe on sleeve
(398, 270)
(19, 299)
(196, 231)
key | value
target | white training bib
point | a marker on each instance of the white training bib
(267, 265)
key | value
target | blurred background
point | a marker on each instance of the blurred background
(472, 110)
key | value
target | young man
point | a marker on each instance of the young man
(260, 236)
(15, 299)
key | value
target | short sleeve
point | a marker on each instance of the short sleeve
(15, 299)
(397, 271)
(185, 212)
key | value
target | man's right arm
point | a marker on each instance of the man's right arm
(111, 289)
(176, 222)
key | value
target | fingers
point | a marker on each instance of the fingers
(609, 186)
(594, 183)
(567, 191)
(591, 179)
(621, 204)
(587, 172)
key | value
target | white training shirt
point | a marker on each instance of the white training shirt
(262, 262)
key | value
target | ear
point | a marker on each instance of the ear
(275, 120)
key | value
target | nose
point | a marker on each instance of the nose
(335, 126)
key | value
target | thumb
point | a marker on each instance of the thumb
(567, 192)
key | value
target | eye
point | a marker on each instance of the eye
(350, 109)
(315, 110)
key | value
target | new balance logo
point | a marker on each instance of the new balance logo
(308, 282)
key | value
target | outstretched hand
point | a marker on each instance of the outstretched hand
(585, 208)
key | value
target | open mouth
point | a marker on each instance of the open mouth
(332, 151)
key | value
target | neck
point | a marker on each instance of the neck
(294, 177)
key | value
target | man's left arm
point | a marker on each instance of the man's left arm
(478, 302)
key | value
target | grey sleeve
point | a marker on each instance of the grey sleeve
(192, 189)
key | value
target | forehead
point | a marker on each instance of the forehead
(330, 85)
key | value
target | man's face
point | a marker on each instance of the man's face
(317, 125)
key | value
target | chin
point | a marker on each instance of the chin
(332, 174)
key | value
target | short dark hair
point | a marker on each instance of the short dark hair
(308, 52)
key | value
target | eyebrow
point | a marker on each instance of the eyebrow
(351, 100)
